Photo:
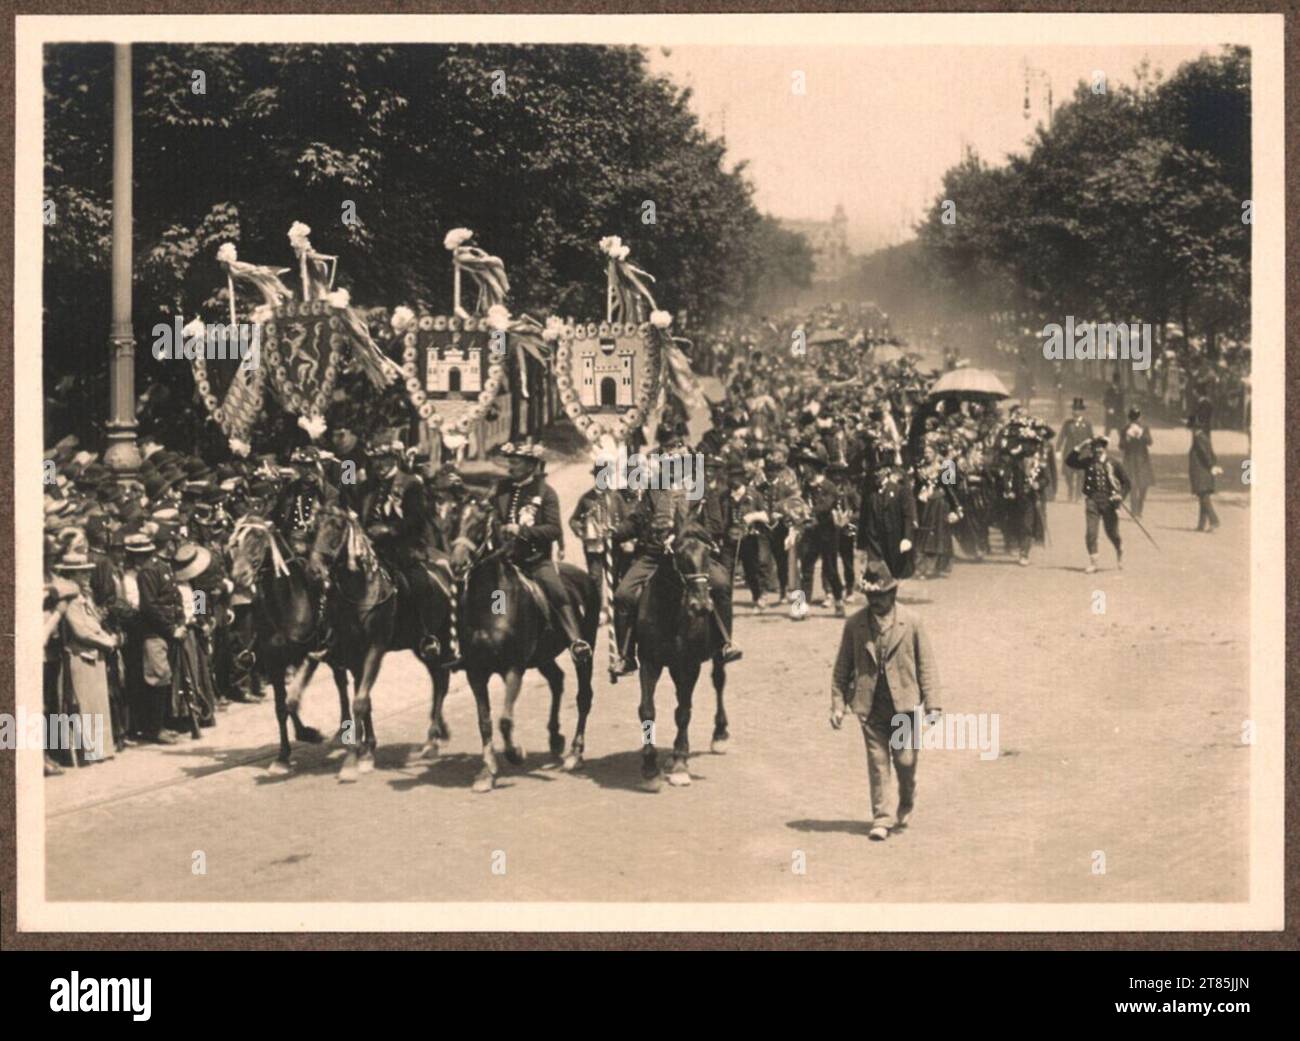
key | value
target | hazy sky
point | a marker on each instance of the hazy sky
(877, 127)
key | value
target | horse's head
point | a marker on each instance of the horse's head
(332, 526)
(248, 546)
(691, 556)
(476, 530)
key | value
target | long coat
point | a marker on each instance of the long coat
(86, 645)
(1137, 455)
(887, 517)
(1200, 461)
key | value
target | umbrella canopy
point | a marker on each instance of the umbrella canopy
(969, 383)
(822, 337)
(886, 352)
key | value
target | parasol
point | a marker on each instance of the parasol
(823, 337)
(968, 383)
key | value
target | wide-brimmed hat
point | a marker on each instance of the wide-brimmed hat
(75, 560)
(1133, 413)
(138, 543)
(877, 578)
(190, 561)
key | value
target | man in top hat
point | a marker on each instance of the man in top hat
(1105, 483)
(395, 515)
(1074, 431)
(1203, 467)
(1135, 446)
(529, 511)
(886, 673)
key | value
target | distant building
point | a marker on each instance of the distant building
(829, 241)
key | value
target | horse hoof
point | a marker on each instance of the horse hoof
(311, 736)
(557, 744)
(484, 782)
(719, 745)
(679, 778)
(652, 783)
(515, 755)
(281, 766)
(348, 773)
(429, 750)
(572, 762)
(366, 766)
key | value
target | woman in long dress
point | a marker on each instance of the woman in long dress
(86, 646)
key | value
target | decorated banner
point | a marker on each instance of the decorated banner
(453, 367)
(608, 376)
(302, 348)
(611, 376)
(300, 345)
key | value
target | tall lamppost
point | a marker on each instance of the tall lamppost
(122, 455)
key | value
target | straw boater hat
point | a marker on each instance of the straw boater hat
(190, 562)
(139, 543)
(75, 560)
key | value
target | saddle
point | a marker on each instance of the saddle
(538, 594)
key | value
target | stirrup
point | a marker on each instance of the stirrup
(581, 650)
(730, 652)
(624, 666)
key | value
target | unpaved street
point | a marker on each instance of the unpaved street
(1151, 771)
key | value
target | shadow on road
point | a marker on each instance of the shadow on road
(848, 827)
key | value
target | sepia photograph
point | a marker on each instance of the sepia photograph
(688, 473)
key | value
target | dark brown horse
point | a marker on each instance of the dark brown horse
(281, 620)
(675, 630)
(372, 616)
(504, 630)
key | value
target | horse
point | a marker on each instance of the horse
(281, 621)
(372, 616)
(505, 630)
(675, 630)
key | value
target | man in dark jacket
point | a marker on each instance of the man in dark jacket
(1135, 445)
(1105, 483)
(529, 511)
(162, 627)
(1074, 432)
(395, 515)
(1203, 467)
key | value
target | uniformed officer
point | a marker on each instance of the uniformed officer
(529, 511)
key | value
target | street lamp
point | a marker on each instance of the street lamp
(121, 455)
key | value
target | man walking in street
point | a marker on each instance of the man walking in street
(1105, 483)
(1076, 431)
(884, 672)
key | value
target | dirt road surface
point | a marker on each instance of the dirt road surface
(1119, 732)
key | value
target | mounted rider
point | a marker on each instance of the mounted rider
(662, 516)
(529, 512)
(395, 515)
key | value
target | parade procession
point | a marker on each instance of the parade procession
(489, 471)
